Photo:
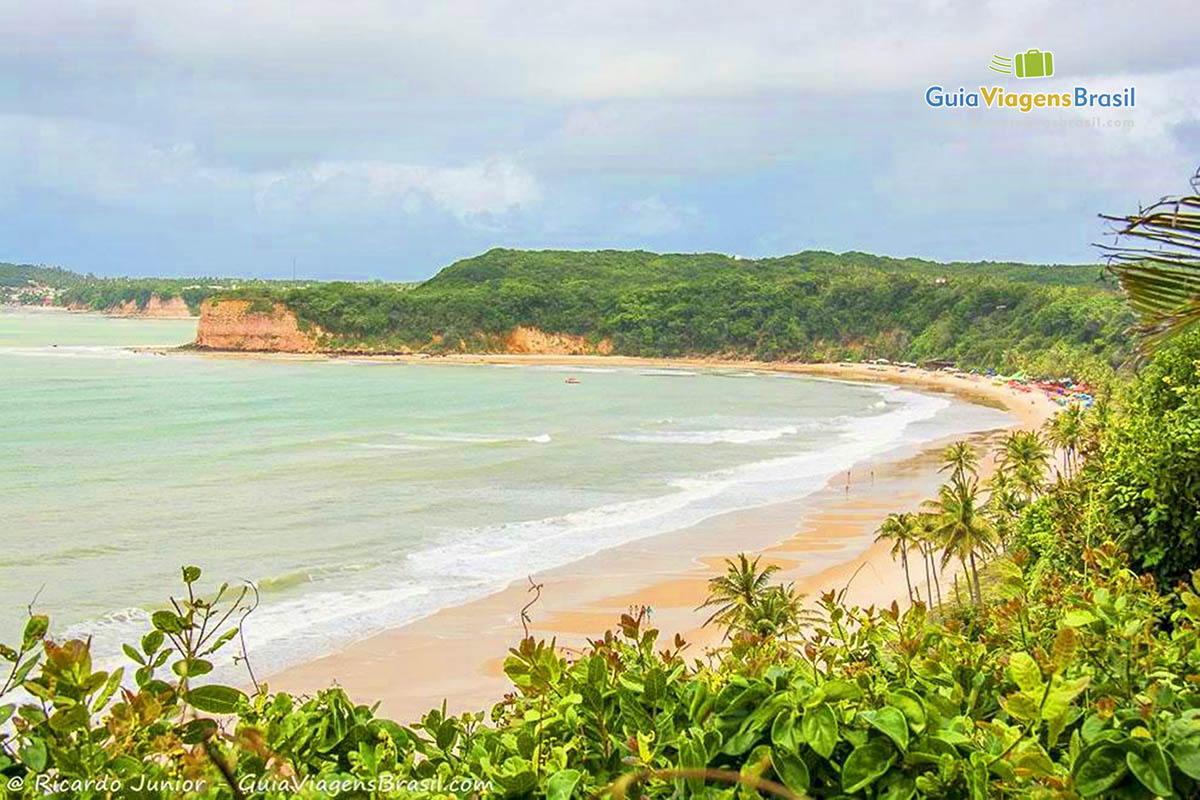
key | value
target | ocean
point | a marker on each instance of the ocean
(360, 495)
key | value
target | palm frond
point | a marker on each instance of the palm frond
(1155, 255)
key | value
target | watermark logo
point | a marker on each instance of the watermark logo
(1032, 63)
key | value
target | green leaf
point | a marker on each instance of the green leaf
(166, 621)
(1020, 706)
(820, 729)
(216, 699)
(1078, 619)
(911, 705)
(755, 765)
(1061, 695)
(198, 730)
(741, 742)
(151, 642)
(1150, 767)
(561, 784)
(26, 667)
(33, 754)
(1186, 756)
(890, 722)
(841, 690)
(191, 667)
(35, 631)
(897, 786)
(6, 712)
(1099, 768)
(221, 641)
(191, 574)
(692, 756)
(867, 763)
(134, 654)
(110, 688)
(791, 770)
(783, 731)
(1025, 673)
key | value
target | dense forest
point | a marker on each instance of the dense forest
(814, 306)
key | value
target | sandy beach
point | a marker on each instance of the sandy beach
(822, 542)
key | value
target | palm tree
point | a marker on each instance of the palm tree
(1025, 456)
(963, 527)
(737, 592)
(927, 537)
(1160, 269)
(961, 458)
(779, 611)
(898, 529)
(1066, 431)
(1003, 503)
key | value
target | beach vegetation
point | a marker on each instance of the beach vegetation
(902, 531)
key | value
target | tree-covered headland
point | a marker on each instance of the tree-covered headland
(1055, 320)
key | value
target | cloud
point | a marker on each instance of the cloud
(491, 187)
(620, 49)
(111, 166)
(398, 135)
(651, 216)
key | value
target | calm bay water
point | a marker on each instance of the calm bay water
(360, 495)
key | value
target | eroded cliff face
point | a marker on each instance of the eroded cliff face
(240, 325)
(175, 308)
(532, 340)
(156, 307)
(233, 325)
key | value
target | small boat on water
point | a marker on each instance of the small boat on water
(572, 380)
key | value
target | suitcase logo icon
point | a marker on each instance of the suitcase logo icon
(1032, 63)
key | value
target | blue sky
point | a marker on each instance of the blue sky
(387, 139)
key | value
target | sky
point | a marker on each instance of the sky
(359, 139)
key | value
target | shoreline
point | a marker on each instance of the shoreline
(973, 388)
(92, 312)
(820, 542)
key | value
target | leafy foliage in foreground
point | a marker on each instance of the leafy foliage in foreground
(815, 306)
(1084, 685)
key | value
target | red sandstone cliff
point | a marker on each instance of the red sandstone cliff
(233, 325)
(240, 325)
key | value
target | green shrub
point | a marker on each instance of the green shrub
(1150, 469)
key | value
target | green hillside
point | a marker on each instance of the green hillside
(812, 306)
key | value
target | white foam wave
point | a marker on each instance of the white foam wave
(373, 446)
(570, 368)
(75, 351)
(667, 371)
(468, 438)
(515, 549)
(726, 436)
(286, 631)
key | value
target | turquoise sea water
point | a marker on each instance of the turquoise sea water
(360, 495)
